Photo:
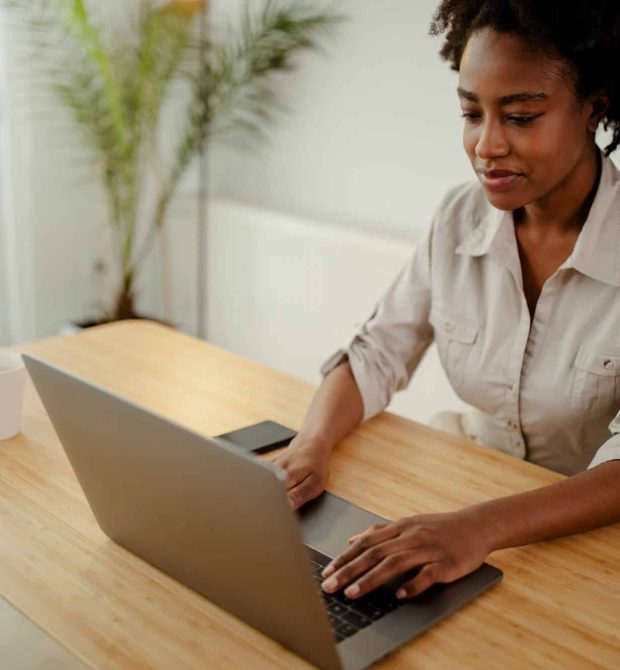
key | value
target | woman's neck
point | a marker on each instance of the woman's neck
(566, 208)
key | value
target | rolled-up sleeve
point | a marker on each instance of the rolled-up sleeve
(610, 450)
(387, 348)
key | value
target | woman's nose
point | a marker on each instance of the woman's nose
(492, 141)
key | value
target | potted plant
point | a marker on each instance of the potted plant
(116, 85)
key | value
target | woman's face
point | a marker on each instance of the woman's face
(526, 133)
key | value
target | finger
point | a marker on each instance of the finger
(373, 535)
(392, 566)
(281, 461)
(294, 474)
(360, 577)
(307, 489)
(363, 563)
(278, 457)
(294, 477)
(355, 537)
(430, 574)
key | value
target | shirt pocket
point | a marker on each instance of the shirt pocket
(455, 337)
(596, 382)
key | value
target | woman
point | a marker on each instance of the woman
(518, 283)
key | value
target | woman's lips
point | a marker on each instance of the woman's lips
(499, 180)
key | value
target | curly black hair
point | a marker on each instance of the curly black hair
(585, 34)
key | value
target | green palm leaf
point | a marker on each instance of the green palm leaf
(116, 89)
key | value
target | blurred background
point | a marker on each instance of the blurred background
(283, 160)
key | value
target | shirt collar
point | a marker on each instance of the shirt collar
(490, 233)
(494, 235)
(597, 250)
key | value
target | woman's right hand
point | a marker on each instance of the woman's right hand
(306, 463)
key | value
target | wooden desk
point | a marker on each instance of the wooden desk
(558, 606)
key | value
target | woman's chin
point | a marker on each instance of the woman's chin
(505, 201)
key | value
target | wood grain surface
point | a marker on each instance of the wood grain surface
(557, 607)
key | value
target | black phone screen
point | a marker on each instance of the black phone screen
(259, 437)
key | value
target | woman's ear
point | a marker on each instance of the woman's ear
(599, 105)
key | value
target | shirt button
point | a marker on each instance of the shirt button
(448, 325)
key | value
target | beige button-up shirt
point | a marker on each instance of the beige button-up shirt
(546, 389)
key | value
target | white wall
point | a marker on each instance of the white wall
(288, 292)
(51, 205)
(17, 312)
(373, 134)
(373, 137)
(5, 326)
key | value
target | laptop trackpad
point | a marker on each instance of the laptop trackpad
(329, 521)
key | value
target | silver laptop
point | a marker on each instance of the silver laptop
(219, 521)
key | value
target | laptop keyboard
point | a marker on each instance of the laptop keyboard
(346, 616)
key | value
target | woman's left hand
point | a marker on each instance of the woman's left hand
(444, 547)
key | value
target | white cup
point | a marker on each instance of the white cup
(12, 383)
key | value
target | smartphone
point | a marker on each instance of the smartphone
(259, 438)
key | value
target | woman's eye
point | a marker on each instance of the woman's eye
(522, 120)
(470, 116)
